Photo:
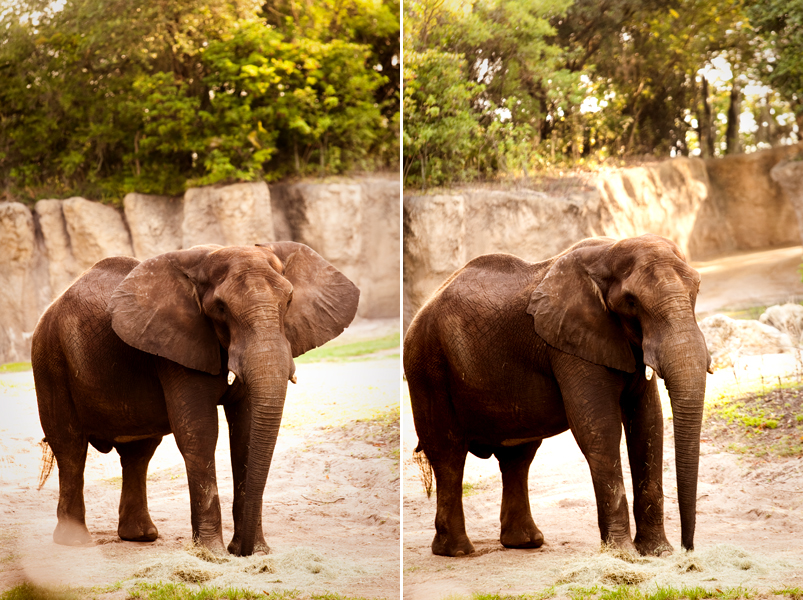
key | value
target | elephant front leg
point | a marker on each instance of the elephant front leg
(135, 524)
(238, 416)
(591, 396)
(644, 432)
(518, 528)
(192, 410)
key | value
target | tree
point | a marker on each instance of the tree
(105, 97)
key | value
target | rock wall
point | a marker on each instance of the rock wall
(354, 225)
(708, 207)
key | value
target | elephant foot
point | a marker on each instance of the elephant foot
(527, 536)
(443, 546)
(260, 546)
(137, 530)
(658, 546)
(70, 533)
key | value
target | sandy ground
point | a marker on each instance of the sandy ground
(331, 506)
(750, 511)
(750, 279)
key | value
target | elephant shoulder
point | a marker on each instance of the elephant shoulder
(498, 263)
(97, 283)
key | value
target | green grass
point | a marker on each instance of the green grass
(360, 350)
(16, 367)
(29, 591)
(795, 593)
(743, 314)
(469, 489)
(162, 591)
(626, 592)
(764, 421)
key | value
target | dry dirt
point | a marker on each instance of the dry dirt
(331, 505)
(750, 510)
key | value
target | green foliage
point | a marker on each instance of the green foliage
(103, 98)
(780, 25)
(440, 130)
(577, 82)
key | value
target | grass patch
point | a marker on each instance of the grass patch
(15, 367)
(469, 489)
(381, 430)
(543, 595)
(628, 592)
(744, 314)
(29, 591)
(163, 591)
(350, 351)
(764, 422)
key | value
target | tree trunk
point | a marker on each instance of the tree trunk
(705, 130)
(733, 145)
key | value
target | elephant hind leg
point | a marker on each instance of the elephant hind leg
(135, 524)
(518, 528)
(70, 455)
(443, 442)
(450, 524)
(66, 439)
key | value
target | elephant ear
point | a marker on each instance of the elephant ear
(324, 300)
(570, 314)
(156, 309)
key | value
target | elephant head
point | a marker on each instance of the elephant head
(628, 305)
(263, 305)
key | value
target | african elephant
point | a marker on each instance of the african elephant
(508, 352)
(136, 350)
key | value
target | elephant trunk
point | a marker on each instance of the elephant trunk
(682, 361)
(266, 369)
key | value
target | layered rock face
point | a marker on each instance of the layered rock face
(708, 207)
(354, 225)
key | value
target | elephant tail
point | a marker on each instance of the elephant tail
(420, 458)
(48, 458)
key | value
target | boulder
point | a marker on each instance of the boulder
(155, 223)
(229, 215)
(788, 174)
(746, 208)
(96, 231)
(380, 270)
(434, 235)
(24, 287)
(787, 318)
(62, 266)
(355, 226)
(662, 198)
(727, 339)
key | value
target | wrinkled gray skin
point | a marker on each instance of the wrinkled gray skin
(135, 350)
(507, 353)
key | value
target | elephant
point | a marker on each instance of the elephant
(133, 351)
(508, 352)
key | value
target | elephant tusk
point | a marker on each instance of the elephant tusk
(231, 377)
(293, 379)
(648, 372)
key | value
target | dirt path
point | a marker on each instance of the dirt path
(750, 279)
(750, 511)
(331, 512)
